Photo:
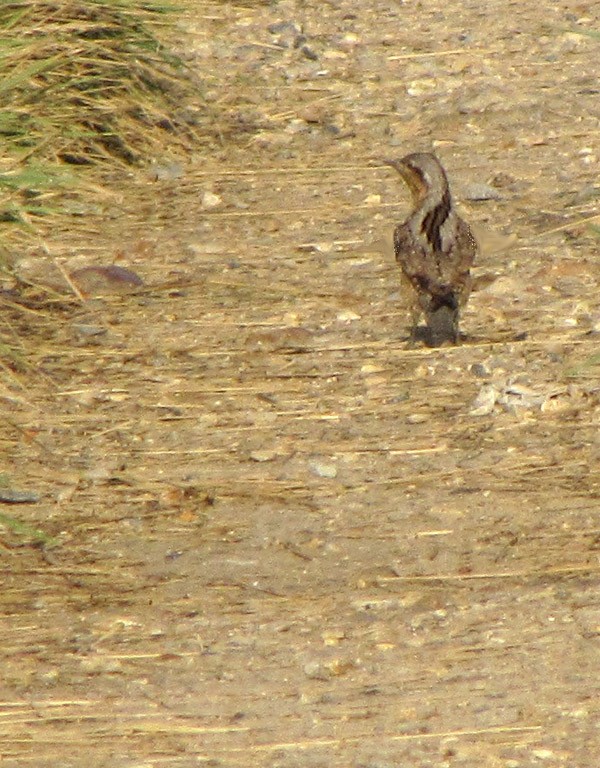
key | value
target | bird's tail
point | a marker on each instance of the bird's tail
(442, 321)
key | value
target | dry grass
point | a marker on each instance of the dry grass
(84, 84)
(89, 82)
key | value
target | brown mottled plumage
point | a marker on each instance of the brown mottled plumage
(434, 247)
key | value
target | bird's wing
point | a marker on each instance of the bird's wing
(411, 257)
(466, 246)
(460, 260)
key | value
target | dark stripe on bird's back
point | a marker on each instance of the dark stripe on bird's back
(434, 220)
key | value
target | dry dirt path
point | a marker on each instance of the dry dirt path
(284, 538)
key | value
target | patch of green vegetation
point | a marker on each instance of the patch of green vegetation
(587, 32)
(27, 532)
(36, 177)
(26, 185)
(585, 369)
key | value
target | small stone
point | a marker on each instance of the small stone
(347, 316)
(416, 418)
(264, 455)
(102, 280)
(333, 637)
(485, 401)
(207, 248)
(309, 53)
(349, 41)
(89, 331)
(296, 125)
(327, 669)
(478, 191)
(504, 286)
(289, 34)
(323, 469)
(324, 246)
(277, 27)
(313, 113)
(12, 496)
(50, 677)
(210, 200)
(316, 671)
(480, 370)
(168, 172)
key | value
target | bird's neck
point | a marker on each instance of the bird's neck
(434, 219)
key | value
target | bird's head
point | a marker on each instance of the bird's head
(422, 173)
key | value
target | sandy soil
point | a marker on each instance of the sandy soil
(282, 537)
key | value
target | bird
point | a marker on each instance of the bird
(435, 249)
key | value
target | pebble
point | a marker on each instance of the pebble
(416, 418)
(372, 200)
(325, 670)
(323, 469)
(347, 316)
(168, 172)
(504, 286)
(480, 370)
(263, 455)
(316, 671)
(479, 191)
(98, 280)
(11, 496)
(485, 401)
(87, 330)
(210, 200)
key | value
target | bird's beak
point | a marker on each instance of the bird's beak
(397, 165)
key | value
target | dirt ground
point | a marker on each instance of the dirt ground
(281, 536)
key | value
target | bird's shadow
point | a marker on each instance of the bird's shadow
(423, 335)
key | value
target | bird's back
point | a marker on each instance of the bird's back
(437, 271)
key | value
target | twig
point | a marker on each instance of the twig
(435, 54)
